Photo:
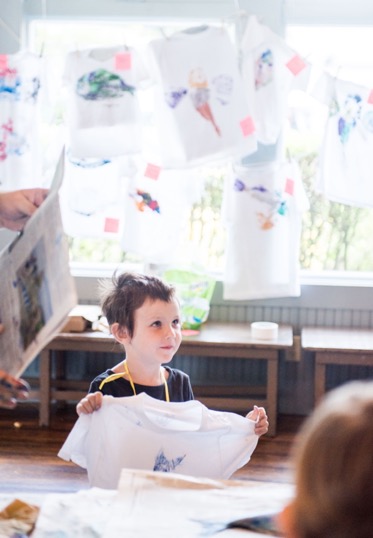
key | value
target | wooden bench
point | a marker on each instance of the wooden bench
(228, 340)
(338, 346)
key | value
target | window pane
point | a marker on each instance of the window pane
(336, 237)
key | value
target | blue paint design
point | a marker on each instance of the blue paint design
(88, 163)
(174, 96)
(165, 465)
(350, 115)
(14, 87)
(264, 69)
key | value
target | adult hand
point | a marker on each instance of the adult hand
(16, 207)
(11, 390)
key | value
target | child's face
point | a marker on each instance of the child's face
(157, 331)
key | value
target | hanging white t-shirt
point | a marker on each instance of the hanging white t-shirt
(263, 207)
(200, 105)
(270, 70)
(104, 116)
(21, 76)
(92, 197)
(346, 154)
(156, 211)
(139, 432)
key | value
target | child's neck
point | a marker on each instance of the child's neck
(142, 375)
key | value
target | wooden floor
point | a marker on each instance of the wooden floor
(29, 461)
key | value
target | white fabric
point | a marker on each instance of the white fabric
(134, 510)
(346, 155)
(156, 212)
(92, 198)
(139, 432)
(268, 77)
(21, 79)
(199, 98)
(104, 117)
(263, 207)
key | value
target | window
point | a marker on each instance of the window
(336, 237)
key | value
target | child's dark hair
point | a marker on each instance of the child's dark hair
(124, 294)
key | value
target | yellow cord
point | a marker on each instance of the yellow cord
(112, 377)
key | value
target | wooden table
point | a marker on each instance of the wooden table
(229, 340)
(338, 346)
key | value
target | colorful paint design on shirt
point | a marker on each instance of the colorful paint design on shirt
(200, 95)
(9, 83)
(165, 465)
(264, 69)
(143, 201)
(173, 96)
(101, 84)
(273, 201)
(350, 114)
(88, 163)
(10, 142)
(14, 87)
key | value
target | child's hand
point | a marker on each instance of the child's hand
(259, 415)
(90, 403)
(11, 390)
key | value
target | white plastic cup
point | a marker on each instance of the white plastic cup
(264, 330)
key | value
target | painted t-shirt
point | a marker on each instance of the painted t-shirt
(156, 211)
(201, 110)
(92, 197)
(21, 77)
(104, 116)
(270, 70)
(263, 207)
(346, 154)
(140, 432)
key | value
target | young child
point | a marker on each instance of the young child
(144, 316)
(334, 468)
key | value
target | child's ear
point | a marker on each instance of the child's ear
(119, 332)
(285, 521)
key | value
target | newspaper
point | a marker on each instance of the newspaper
(195, 507)
(37, 290)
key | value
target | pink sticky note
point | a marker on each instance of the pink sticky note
(123, 61)
(152, 171)
(370, 98)
(111, 225)
(295, 65)
(247, 126)
(289, 186)
(3, 61)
